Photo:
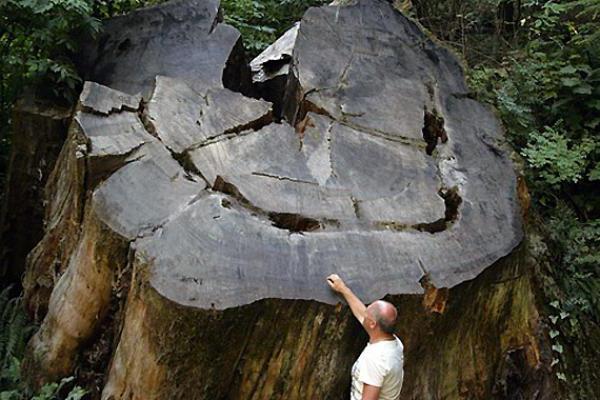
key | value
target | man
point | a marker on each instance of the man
(378, 372)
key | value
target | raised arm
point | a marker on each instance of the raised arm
(358, 308)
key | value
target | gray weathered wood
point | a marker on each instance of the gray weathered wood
(183, 117)
(181, 38)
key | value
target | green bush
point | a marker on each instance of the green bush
(261, 22)
(38, 40)
(15, 331)
(548, 95)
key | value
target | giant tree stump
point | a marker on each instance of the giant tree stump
(223, 222)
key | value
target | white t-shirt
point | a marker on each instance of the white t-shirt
(380, 364)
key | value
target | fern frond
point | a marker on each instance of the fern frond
(6, 312)
(4, 295)
(16, 331)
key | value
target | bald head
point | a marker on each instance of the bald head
(384, 314)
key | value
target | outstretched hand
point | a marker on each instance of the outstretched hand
(336, 283)
(358, 308)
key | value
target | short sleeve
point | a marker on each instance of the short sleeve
(371, 370)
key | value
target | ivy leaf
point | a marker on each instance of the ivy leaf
(570, 82)
(583, 89)
(76, 393)
(558, 348)
(568, 70)
(594, 174)
(554, 333)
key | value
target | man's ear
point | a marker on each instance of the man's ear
(371, 323)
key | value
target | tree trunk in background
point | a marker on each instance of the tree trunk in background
(39, 130)
(194, 230)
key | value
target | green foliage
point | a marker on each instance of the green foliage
(261, 22)
(50, 391)
(555, 158)
(108, 8)
(550, 106)
(37, 41)
(15, 332)
(548, 94)
(575, 313)
(577, 245)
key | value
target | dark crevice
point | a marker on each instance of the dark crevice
(294, 222)
(303, 121)
(288, 221)
(218, 19)
(188, 166)
(432, 227)
(255, 125)
(237, 74)
(275, 65)
(283, 178)
(146, 121)
(182, 158)
(299, 223)
(273, 91)
(236, 131)
(356, 206)
(222, 137)
(99, 169)
(452, 201)
(113, 110)
(433, 130)
(292, 97)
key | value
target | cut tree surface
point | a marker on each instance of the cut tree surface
(383, 171)
(182, 38)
